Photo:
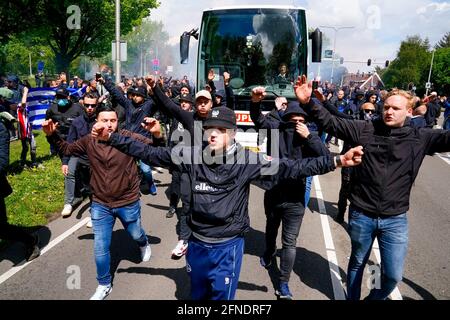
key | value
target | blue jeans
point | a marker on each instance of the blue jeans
(147, 172)
(103, 219)
(214, 269)
(308, 190)
(392, 235)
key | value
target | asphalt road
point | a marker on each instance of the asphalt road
(66, 270)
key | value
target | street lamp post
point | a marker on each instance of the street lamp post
(336, 30)
(118, 41)
(429, 75)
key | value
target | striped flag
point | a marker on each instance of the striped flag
(40, 99)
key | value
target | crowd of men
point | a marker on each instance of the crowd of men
(111, 138)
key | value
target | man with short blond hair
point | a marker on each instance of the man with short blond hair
(381, 186)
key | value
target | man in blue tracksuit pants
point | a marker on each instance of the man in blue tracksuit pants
(220, 184)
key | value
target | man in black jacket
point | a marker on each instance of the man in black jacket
(285, 203)
(381, 186)
(220, 177)
(7, 231)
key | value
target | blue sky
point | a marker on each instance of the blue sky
(379, 25)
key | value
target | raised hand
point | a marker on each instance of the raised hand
(258, 94)
(153, 126)
(150, 81)
(303, 90)
(226, 78)
(49, 127)
(211, 75)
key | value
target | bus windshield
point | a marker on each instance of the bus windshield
(258, 47)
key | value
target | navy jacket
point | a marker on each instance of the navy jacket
(80, 127)
(392, 158)
(134, 115)
(220, 192)
(5, 188)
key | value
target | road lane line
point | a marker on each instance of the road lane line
(445, 157)
(336, 280)
(395, 295)
(11, 272)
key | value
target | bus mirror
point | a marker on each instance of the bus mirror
(184, 47)
(316, 49)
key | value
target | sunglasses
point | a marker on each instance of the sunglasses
(90, 105)
(369, 111)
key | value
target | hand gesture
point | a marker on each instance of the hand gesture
(153, 126)
(211, 75)
(150, 81)
(100, 132)
(281, 103)
(49, 127)
(302, 130)
(303, 90)
(353, 157)
(226, 78)
(258, 94)
(319, 95)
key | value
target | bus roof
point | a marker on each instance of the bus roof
(255, 7)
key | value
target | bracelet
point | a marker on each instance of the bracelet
(337, 161)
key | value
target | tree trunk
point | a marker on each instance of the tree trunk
(62, 62)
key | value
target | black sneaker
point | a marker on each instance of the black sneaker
(266, 260)
(171, 212)
(33, 251)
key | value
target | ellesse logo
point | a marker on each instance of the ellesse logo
(205, 187)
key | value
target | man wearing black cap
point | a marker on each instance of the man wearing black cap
(137, 107)
(220, 186)
(285, 203)
(354, 106)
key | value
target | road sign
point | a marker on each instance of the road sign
(329, 54)
(428, 85)
(155, 62)
(40, 67)
(123, 50)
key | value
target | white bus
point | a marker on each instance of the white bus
(251, 43)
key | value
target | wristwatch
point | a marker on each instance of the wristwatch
(337, 161)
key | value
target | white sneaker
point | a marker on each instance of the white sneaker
(67, 211)
(89, 223)
(102, 292)
(146, 252)
(180, 249)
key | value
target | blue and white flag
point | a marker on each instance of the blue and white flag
(40, 99)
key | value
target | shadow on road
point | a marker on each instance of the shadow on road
(179, 277)
(14, 251)
(312, 268)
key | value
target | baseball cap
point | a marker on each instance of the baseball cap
(140, 91)
(186, 98)
(203, 93)
(62, 92)
(221, 117)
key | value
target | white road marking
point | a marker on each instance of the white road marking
(445, 157)
(11, 272)
(395, 295)
(338, 287)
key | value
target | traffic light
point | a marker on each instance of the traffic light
(387, 63)
(369, 62)
(342, 60)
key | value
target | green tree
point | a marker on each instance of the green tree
(441, 71)
(52, 23)
(411, 65)
(444, 42)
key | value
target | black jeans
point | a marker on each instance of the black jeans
(9, 232)
(344, 192)
(23, 155)
(181, 189)
(291, 217)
